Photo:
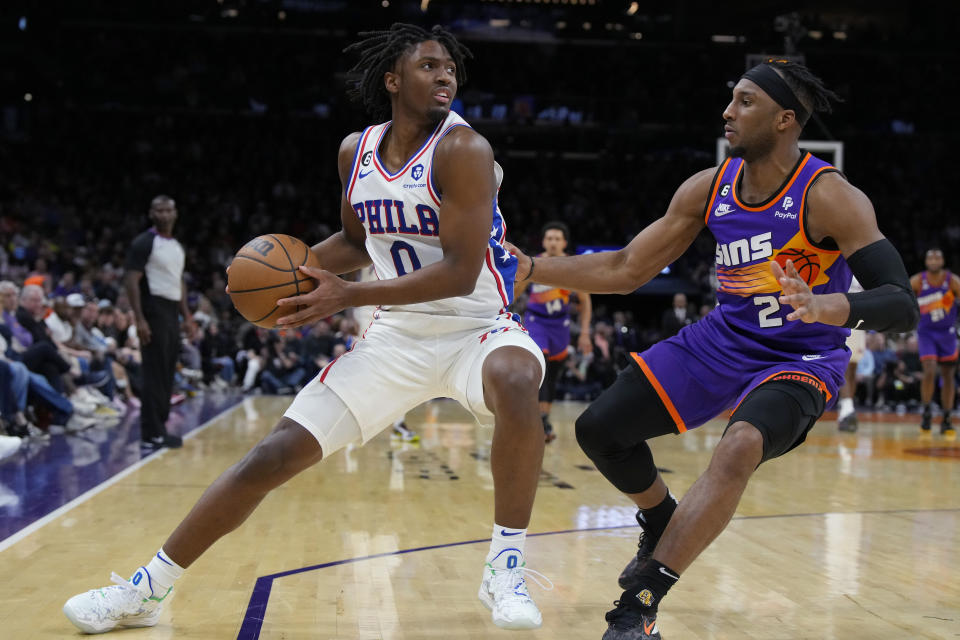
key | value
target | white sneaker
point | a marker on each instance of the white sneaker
(126, 604)
(504, 592)
(96, 395)
(106, 411)
(9, 445)
(78, 423)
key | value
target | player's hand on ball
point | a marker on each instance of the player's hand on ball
(796, 293)
(523, 261)
(329, 297)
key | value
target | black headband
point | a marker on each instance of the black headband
(764, 76)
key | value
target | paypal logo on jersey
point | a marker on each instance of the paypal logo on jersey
(786, 214)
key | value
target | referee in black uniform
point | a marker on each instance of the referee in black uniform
(154, 284)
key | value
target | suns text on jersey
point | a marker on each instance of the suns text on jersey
(745, 250)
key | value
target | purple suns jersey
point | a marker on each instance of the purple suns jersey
(938, 309)
(749, 237)
(549, 302)
(547, 318)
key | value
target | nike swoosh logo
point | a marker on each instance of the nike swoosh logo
(668, 574)
(503, 532)
(364, 175)
(813, 357)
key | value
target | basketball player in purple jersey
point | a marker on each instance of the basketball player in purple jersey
(547, 318)
(419, 201)
(790, 230)
(937, 291)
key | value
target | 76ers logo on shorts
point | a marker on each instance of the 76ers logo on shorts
(417, 172)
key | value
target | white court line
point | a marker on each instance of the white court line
(83, 497)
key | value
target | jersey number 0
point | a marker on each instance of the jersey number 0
(397, 250)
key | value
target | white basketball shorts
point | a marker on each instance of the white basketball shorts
(404, 359)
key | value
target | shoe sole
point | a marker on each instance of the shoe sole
(91, 629)
(514, 626)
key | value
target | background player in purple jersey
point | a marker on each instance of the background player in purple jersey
(937, 291)
(547, 318)
(790, 231)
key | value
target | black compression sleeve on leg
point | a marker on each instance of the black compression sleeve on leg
(887, 302)
(614, 429)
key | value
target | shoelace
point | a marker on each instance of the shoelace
(622, 610)
(123, 582)
(533, 574)
(641, 550)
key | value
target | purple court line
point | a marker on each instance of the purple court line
(257, 607)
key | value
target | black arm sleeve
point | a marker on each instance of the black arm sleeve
(887, 302)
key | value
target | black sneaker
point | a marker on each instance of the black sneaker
(159, 442)
(631, 573)
(548, 434)
(848, 423)
(627, 622)
(947, 430)
(925, 421)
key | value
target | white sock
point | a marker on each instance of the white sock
(846, 408)
(506, 547)
(161, 572)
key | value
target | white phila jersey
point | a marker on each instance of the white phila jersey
(401, 214)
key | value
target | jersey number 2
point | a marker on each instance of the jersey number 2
(770, 306)
(395, 251)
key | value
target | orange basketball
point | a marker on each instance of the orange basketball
(807, 263)
(265, 270)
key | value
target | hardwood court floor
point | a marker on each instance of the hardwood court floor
(850, 536)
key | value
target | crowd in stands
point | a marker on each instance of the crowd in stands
(70, 360)
(245, 138)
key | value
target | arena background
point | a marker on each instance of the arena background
(597, 109)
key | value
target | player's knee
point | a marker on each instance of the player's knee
(511, 377)
(740, 450)
(276, 458)
(593, 434)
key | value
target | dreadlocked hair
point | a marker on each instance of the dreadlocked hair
(808, 88)
(379, 52)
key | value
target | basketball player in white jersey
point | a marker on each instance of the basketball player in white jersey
(857, 344)
(419, 201)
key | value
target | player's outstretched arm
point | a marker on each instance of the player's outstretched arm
(344, 251)
(838, 210)
(648, 253)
